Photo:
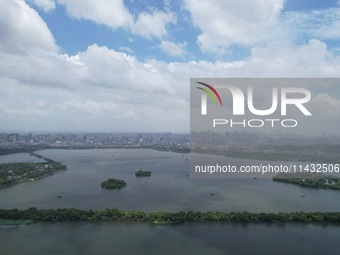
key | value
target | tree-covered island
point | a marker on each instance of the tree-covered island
(310, 180)
(14, 173)
(163, 217)
(141, 173)
(113, 184)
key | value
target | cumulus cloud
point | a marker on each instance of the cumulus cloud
(100, 89)
(152, 24)
(111, 13)
(285, 59)
(107, 90)
(321, 104)
(173, 49)
(115, 14)
(255, 22)
(22, 29)
(227, 22)
(279, 59)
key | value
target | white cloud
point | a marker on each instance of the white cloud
(279, 59)
(285, 59)
(111, 13)
(173, 49)
(153, 24)
(101, 89)
(98, 89)
(46, 5)
(104, 90)
(322, 103)
(23, 29)
(115, 14)
(227, 22)
(119, 71)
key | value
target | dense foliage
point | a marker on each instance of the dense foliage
(72, 214)
(12, 173)
(113, 184)
(309, 180)
(141, 173)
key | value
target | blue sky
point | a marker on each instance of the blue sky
(74, 35)
(114, 65)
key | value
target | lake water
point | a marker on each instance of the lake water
(169, 188)
(19, 157)
(139, 238)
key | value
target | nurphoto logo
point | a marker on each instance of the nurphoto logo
(282, 98)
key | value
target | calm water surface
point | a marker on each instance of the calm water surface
(168, 189)
(136, 238)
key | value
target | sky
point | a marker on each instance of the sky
(125, 66)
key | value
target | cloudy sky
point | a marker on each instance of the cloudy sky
(124, 66)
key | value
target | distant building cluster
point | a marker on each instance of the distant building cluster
(205, 140)
(262, 142)
(164, 140)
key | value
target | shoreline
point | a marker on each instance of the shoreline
(164, 217)
(52, 168)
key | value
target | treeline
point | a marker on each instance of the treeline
(329, 149)
(41, 157)
(310, 180)
(71, 214)
(27, 148)
(331, 183)
(172, 149)
(7, 151)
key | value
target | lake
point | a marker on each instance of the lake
(169, 188)
(140, 238)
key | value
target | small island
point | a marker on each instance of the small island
(141, 173)
(113, 184)
(311, 180)
(14, 173)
